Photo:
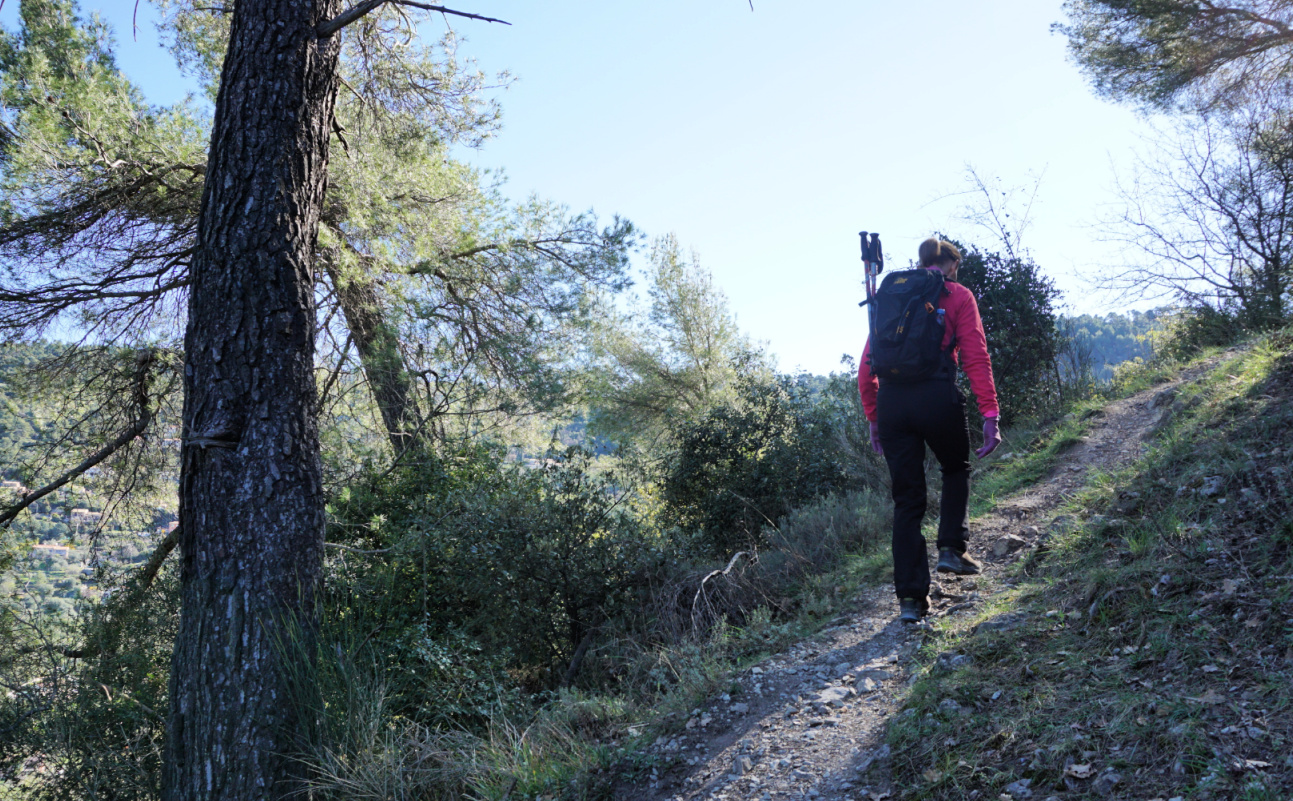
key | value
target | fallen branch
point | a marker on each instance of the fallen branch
(701, 589)
(356, 550)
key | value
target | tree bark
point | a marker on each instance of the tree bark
(251, 503)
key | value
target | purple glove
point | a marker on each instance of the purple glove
(875, 439)
(991, 438)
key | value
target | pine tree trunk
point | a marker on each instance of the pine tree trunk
(251, 504)
(379, 354)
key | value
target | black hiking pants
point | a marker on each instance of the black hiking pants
(912, 416)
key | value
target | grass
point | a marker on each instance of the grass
(1026, 455)
(1153, 656)
(581, 743)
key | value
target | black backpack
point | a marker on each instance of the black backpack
(907, 338)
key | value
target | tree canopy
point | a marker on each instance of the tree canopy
(1162, 53)
(447, 300)
(1208, 218)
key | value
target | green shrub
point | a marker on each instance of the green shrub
(527, 563)
(690, 602)
(1016, 303)
(1190, 330)
(814, 538)
(748, 463)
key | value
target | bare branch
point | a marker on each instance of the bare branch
(154, 565)
(356, 12)
(144, 416)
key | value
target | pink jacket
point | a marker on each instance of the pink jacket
(971, 352)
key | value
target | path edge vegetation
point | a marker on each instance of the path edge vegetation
(581, 743)
(1144, 649)
(936, 767)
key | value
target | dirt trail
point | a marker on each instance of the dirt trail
(809, 723)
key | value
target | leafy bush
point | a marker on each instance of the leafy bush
(1190, 330)
(1016, 303)
(814, 538)
(747, 463)
(96, 724)
(528, 563)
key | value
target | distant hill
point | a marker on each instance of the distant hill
(1113, 338)
(53, 554)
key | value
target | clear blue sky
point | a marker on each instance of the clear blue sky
(767, 139)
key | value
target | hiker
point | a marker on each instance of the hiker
(928, 409)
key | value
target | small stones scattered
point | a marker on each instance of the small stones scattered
(1020, 789)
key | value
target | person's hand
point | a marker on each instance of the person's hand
(991, 438)
(875, 439)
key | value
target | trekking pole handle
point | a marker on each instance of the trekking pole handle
(877, 253)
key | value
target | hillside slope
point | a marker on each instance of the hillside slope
(1128, 639)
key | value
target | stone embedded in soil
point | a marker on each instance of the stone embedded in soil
(1003, 622)
(1105, 784)
(834, 696)
(1007, 545)
(874, 674)
(950, 661)
(1163, 397)
(1062, 524)
(1212, 485)
(1020, 789)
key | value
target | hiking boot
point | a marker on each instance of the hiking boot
(911, 610)
(962, 564)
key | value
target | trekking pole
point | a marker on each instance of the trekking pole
(873, 263)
